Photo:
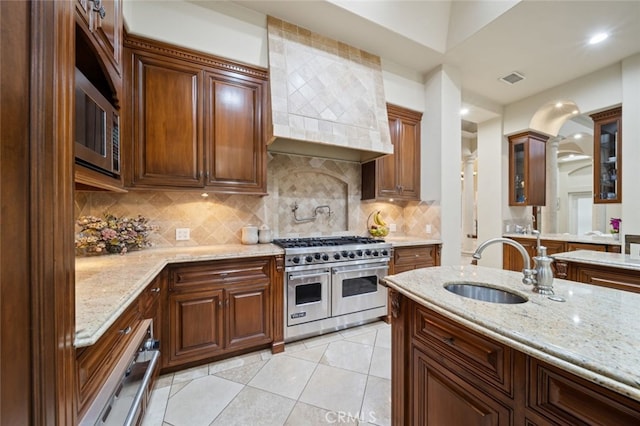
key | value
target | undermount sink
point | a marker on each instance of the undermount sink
(484, 293)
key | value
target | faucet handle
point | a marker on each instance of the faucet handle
(529, 276)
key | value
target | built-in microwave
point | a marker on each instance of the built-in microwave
(97, 136)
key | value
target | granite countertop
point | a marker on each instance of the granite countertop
(589, 239)
(594, 334)
(617, 260)
(107, 285)
(408, 240)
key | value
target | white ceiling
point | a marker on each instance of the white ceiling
(546, 41)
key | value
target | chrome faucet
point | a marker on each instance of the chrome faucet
(543, 282)
(529, 274)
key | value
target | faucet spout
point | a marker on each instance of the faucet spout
(527, 271)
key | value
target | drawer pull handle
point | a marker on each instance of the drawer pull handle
(126, 331)
(155, 290)
(448, 340)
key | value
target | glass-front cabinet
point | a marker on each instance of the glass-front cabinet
(607, 161)
(527, 169)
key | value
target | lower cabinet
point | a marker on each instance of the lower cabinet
(444, 373)
(218, 308)
(406, 258)
(606, 276)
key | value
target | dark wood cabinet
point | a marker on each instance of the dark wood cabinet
(219, 307)
(198, 121)
(167, 121)
(527, 169)
(396, 175)
(407, 258)
(607, 156)
(606, 276)
(444, 373)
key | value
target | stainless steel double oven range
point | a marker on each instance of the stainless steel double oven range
(333, 283)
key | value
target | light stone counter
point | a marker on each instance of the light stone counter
(408, 240)
(589, 239)
(107, 285)
(595, 334)
(616, 260)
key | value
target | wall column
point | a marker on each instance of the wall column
(468, 203)
(550, 211)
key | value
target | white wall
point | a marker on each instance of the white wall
(631, 146)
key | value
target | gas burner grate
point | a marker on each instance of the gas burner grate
(325, 241)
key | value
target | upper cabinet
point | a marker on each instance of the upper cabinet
(527, 169)
(396, 175)
(196, 120)
(607, 161)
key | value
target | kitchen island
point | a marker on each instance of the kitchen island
(456, 360)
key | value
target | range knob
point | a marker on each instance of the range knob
(336, 256)
(367, 252)
(325, 257)
(308, 259)
(345, 253)
(296, 259)
(359, 252)
(385, 252)
(375, 252)
(317, 256)
(352, 255)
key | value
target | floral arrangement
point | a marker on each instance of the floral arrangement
(615, 225)
(112, 234)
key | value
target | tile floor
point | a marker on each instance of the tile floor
(338, 378)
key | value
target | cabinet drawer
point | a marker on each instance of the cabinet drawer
(585, 246)
(95, 363)
(419, 256)
(223, 272)
(476, 354)
(569, 400)
(149, 299)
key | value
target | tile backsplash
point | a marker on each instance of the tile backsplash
(315, 185)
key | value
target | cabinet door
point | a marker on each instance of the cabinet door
(386, 166)
(414, 257)
(527, 169)
(195, 325)
(108, 30)
(248, 315)
(167, 122)
(234, 137)
(607, 156)
(441, 398)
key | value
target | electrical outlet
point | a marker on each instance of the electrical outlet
(392, 227)
(428, 229)
(183, 234)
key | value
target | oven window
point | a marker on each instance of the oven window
(308, 293)
(359, 285)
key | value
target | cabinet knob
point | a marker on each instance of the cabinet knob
(155, 290)
(126, 331)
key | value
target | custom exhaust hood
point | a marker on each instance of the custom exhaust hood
(327, 98)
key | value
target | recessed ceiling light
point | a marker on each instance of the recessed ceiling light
(559, 105)
(464, 111)
(577, 136)
(575, 111)
(600, 37)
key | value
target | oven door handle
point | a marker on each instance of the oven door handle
(314, 275)
(365, 267)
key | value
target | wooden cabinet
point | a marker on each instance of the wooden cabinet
(444, 373)
(220, 307)
(606, 276)
(102, 23)
(407, 258)
(396, 175)
(197, 121)
(96, 364)
(527, 169)
(607, 156)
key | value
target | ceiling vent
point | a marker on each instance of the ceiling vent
(512, 78)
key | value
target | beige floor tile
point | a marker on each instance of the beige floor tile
(368, 338)
(308, 415)
(242, 374)
(384, 337)
(335, 389)
(163, 381)
(348, 355)
(284, 375)
(314, 354)
(255, 407)
(200, 401)
(376, 408)
(234, 362)
(157, 406)
(381, 363)
(323, 340)
(190, 374)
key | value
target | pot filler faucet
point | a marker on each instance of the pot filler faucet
(541, 276)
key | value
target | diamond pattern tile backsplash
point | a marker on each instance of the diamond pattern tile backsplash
(315, 185)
